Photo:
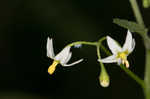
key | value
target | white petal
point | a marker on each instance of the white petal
(76, 62)
(113, 45)
(133, 45)
(109, 59)
(67, 59)
(129, 42)
(50, 51)
(63, 55)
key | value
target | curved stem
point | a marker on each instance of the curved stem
(99, 57)
(82, 42)
(99, 44)
(104, 77)
(105, 50)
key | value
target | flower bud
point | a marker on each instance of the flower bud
(104, 78)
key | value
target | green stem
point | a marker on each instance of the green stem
(104, 77)
(83, 42)
(99, 44)
(137, 13)
(146, 39)
(105, 50)
(132, 75)
(147, 46)
(147, 74)
(99, 57)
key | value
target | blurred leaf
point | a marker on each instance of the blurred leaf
(132, 26)
(146, 3)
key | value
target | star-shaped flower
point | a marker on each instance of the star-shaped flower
(61, 58)
(119, 54)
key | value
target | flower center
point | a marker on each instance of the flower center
(123, 57)
(52, 67)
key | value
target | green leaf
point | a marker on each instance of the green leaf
(132, 26)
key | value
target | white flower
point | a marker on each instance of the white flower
(61, 58)
(119, 54)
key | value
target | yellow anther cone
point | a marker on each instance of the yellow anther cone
(52, 67)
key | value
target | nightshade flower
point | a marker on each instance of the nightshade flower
(119, 54)
(61, 58)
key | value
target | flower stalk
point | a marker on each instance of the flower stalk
(132, 75)
(104, 77)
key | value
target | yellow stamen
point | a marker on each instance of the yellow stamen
(123, 61)
(52, 67)
(127, 64)
(123, 57)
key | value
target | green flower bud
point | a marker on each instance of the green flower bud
(104, 78)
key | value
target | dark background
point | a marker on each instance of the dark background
(24, 76)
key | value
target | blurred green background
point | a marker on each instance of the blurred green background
(24, 76)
